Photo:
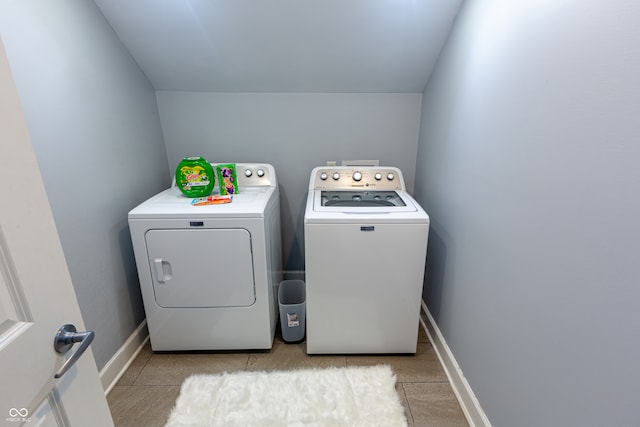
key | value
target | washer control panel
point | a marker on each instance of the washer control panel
(350, 177)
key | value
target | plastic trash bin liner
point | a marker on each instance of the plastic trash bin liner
(291, 301)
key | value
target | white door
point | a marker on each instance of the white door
(36, 294)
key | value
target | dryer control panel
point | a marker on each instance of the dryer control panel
(255, 174)
(351, 177)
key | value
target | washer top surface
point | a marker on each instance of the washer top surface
(360, 194)
(256, 186)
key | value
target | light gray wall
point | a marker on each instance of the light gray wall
(94, 125)
(528, 165)
(295, 132)
(328, 46)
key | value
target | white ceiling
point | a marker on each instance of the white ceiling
(283, 45)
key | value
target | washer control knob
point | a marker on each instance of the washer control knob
(378, 176)
(357, 176)
(324, 176)
(390, 176)
(260, 173)
(248, 173)
(335, 176)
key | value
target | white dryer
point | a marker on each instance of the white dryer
(209, 274)
(365, 253)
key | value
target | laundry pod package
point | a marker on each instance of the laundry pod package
(195, 177)
(227, 179)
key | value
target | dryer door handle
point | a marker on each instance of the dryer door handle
(159, 270)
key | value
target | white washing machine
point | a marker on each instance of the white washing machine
(365, 253)
(209, 274)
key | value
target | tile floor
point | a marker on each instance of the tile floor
(145, 394)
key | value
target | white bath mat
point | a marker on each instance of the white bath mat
(358, 396)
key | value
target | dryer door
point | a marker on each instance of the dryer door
(201, 268)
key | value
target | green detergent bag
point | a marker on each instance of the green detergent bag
(195, 177)
(227, 178)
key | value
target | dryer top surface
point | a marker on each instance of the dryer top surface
(257, 186)
(250, 202)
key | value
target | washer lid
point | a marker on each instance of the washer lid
(409, 213)
(373, 202)
(359, 199)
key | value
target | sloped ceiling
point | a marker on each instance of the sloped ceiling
(283, 45)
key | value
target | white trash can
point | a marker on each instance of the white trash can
(291, 301)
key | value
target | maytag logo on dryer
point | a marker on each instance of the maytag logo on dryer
(367, 228)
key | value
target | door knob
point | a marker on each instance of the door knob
(66, 336)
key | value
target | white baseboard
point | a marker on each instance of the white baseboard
(468, 401)
(118, 364)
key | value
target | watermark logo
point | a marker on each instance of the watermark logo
(18, 415)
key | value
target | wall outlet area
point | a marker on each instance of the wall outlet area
(361, 163)
(354, 163)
